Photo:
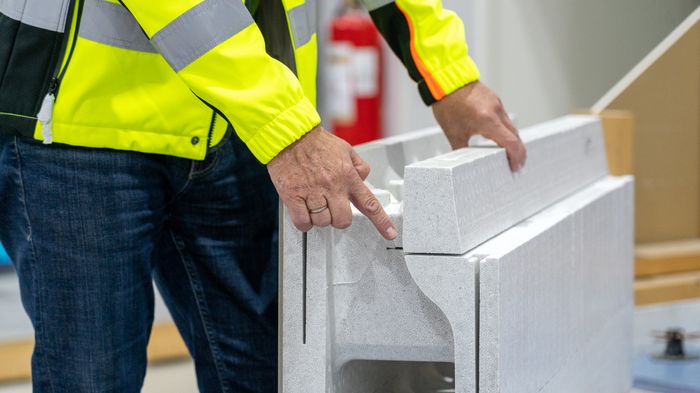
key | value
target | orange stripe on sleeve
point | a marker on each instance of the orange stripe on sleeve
(433, 85)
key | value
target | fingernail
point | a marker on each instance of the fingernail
(391, 232)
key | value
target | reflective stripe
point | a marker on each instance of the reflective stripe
(112, 24)
(302, 19)
(374, 4)
(199, 30)
(45, 14)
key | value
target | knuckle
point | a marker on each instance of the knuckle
(366, 169)
(486, 113)
(347, 169)
(510, 141)
(326, 179)
(372, 205)
(295, 191)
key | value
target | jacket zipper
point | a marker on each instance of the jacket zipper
(45, 114)
(213, 119)
(211, 129)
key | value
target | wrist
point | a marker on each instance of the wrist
(449, 79)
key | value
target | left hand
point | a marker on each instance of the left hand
(476, 110)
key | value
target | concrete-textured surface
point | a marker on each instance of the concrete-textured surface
(556, 297)
(452, 284)
(458, 200)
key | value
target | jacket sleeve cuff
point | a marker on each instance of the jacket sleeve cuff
(284, 130)
(450, 78)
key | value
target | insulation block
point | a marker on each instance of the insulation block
(358, 313)
(456, 201)
(554, 296)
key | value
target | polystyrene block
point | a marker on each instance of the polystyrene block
(556, 297)
(347, 296)
(358, 314)
(456, 201)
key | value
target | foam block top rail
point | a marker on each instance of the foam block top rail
(455, 201)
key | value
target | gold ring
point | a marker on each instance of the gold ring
(319, 210)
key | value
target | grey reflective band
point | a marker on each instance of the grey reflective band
(45, 14)
(199, 30)
(374, 4)
(112, 24)
(302, 19)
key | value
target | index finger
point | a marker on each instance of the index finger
(518, 152)
(515, 149)
(368, 204)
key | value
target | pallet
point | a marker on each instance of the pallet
(15, 357)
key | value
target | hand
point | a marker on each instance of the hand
(475, 109)
(318, 176)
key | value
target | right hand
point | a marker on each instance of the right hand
(317, 178)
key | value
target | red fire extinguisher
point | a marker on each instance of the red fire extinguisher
(355, 76)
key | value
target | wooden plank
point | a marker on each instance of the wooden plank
(667, 258)
(15, 357)
(667, 288)
(618, 128)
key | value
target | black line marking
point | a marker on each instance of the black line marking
(304, 245)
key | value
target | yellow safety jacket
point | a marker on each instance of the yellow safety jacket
(166, 76)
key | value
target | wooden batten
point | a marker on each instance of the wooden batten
(668, 288)
(667, 258)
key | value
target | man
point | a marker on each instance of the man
(132, 137)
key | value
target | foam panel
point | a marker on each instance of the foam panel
(456, 201)
(358, 312)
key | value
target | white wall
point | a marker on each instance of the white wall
(549, 57)
(544, 57)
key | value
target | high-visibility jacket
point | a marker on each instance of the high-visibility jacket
(166, 76)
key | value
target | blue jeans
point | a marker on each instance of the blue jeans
(89, 230)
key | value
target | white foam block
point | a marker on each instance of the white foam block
(556, 297)
(456, 201)
(389, 156)
(304, 319)
(348, 295)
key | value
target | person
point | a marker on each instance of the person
(146, 140)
